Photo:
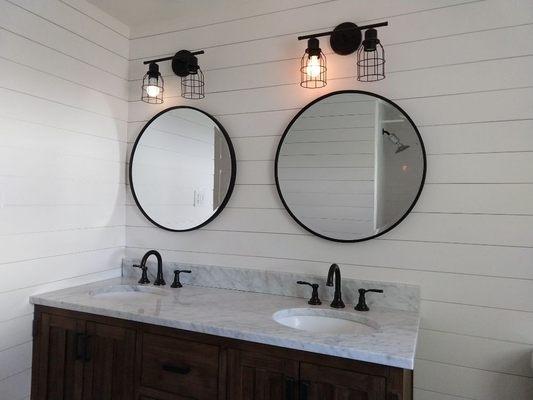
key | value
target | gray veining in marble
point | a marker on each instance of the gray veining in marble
(243, 315)
(396, 296)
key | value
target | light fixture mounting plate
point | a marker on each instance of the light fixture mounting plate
(181, 61)
(345, 38)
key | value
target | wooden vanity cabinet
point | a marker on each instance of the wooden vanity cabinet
(80, 356)
(78, 359)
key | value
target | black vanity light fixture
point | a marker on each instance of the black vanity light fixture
(313, 66)
(345, 39)
(185, 65)
(153, 85)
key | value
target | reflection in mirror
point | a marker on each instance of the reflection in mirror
(350, 166)
(182, 169)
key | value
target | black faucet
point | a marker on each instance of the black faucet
(337, 298)
(159, 280)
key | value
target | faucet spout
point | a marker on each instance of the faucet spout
(335, 272)
(159, 281)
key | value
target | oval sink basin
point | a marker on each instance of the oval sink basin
(128, 293)
(325, 321)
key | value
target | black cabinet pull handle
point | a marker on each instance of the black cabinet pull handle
(304, 390)
(80, 346)
(175, 369)
(289, 388)
(87, 353)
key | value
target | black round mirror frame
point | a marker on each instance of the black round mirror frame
(278, 187)
(232, 178)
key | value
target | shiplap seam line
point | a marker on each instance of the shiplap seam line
(216, 253)
(63, 130)
(422, 328)
(94, 19)
(231, 20)
(64, 104)
(68, 155)
(68, 30)
(65, 54)
(15, 345)
(377, 239)
(61, 230)
(132, 205)
(17, 317)
(240, 42)
(107, 269)
(15, 374)
(444, 394)
(296, 84)
(64, 79)
(60, 255)
(389, 71)
(314, 30)
(63, 179)
(476, 368)
(475, 305)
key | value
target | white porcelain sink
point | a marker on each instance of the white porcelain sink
(325, 321)
(128, 293)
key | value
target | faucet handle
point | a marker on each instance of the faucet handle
(314, 300)
(144, 277)
(361, 305)
(177, 272)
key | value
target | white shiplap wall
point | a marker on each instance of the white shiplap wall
(63, 127)
(462, 70)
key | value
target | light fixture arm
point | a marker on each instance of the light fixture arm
(194, 53)
(328, 33)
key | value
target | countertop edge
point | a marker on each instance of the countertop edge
(356, 355)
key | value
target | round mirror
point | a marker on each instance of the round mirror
(182, 169)
(350, 166)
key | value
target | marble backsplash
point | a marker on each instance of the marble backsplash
(397, 296)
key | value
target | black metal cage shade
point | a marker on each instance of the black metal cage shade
(370, 58)
(313, 71)
(152, 89)
(193, 85)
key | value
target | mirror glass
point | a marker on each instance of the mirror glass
(182, 169)
(350, 166)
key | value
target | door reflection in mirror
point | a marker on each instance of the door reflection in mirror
(182, 169)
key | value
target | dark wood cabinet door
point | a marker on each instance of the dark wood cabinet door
(257, 376)
(109, 363)
(327, 383)
(58, 368)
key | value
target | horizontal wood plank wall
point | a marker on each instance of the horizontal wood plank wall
(462, 70)
(63, 130)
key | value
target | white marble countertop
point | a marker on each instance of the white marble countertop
(246, 316)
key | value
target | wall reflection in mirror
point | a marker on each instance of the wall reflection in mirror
(182, 169)
(350, 166)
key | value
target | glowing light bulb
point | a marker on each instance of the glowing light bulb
(153, 91)
(313, 67)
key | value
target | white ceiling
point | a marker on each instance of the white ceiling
(145, 12)
(136, 12)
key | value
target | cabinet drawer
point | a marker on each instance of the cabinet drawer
(183, 367)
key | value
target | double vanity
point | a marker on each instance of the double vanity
(349, 167)
(226, 333)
